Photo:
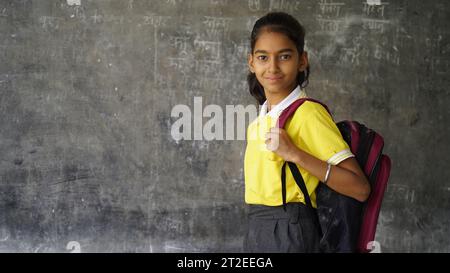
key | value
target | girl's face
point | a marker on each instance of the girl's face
(276, 62)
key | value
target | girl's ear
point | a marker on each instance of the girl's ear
(303, 61)
(250, 62)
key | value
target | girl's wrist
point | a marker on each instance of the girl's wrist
(296, 156)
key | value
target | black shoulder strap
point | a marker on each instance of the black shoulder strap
(298, 179)
(285, 115)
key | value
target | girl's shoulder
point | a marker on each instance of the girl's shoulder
(311, 108)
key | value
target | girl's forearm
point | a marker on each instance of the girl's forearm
(340, 179)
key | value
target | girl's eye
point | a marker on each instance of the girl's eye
(285, 57)
(262, 57)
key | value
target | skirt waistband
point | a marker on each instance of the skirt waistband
(293, 210)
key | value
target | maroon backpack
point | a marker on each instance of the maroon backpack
(347, 225)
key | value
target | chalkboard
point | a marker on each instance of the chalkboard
(88, 160)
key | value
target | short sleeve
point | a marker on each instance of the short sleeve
(321, 137)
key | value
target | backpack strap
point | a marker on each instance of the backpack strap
(290, 110)
(285, 115)
(298, 179)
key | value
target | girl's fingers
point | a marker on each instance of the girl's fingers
(272, 131)
(272, 134)
(275, 130)
(272, 141)
(271, 146)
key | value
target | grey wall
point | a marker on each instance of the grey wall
(86, 93)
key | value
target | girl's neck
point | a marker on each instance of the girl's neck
(275, 98)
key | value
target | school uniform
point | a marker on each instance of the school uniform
(270, 228)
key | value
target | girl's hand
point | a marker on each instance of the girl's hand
(278, 141)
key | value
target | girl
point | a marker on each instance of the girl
(279, 72)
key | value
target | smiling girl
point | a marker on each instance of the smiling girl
(279, 71)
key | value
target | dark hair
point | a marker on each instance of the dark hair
(284, 23)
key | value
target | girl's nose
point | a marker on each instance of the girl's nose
(273, 65)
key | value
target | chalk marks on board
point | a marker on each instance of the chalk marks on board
(215, 27)
(130, 4)
(97, 18)
(274, 5)
(330, 25)
(400, 192)
(373, 2)
(209, 50)
(332, 16)
(172, 2)
(197, 60)
(374, 9)
(338, 21)
(374, 17)
(391, 56)
(435, 47)
(180, 43)
(155, 20)
(73, 2)
(329, 16)
(50, 22)
(330, 8)
(377, 25)
(208, 67)
(254, 5)
(200, 52)
(285, 5)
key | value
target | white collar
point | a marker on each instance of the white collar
(277, 109)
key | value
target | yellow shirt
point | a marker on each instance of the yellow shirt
(311, 129)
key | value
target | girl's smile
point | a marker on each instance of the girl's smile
(274, 78)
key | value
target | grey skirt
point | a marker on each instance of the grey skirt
(273, 230)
